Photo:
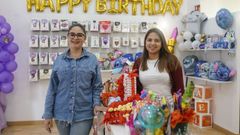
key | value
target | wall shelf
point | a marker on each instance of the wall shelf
(210, 49)
(208, 80)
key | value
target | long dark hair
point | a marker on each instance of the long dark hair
(166, 60)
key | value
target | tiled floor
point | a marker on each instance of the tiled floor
(39, 130)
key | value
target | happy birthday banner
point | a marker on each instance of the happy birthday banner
(154, 7)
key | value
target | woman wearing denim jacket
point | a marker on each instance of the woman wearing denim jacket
(74, 88)
(159, 71)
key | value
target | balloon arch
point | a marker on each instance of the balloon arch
(8, 49)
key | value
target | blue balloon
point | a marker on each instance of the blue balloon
(151, 117)
(224, 18)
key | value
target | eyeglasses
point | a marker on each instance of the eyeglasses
(78, 35)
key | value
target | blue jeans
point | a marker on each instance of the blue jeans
(75, 128)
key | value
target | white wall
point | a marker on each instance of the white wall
(211, 9)
(27, 100)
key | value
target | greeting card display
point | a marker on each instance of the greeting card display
(44, 25)
(116, 42)
(43, 58)
(54, 41)
(52, 57)
(125, 41)
(105, 42)
(63, 41)
(35, 25)
(33, 58)
(64, 25)
(134, 42)
(125, 27)
(105, 26)
(33, 42)
(95, 42)
(33, 75)
(55, 25)
(117, 27)
(94, 26)
(134, 27)
(45, 73)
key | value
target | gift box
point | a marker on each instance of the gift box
(43, 41)
(43, 58)
(134, 27)
(117, 27)
(63, 41)
(203, 120)
(44, 25)
(95, 42)
(45, 74)
(105, 42)
(202, 106)
(33, 58)
(54, 41)
(33, 75)
(105, 26)
(125, 41)
(94, 26)
(202, 92)
(116, 42)
(35, 25)
(64, 25)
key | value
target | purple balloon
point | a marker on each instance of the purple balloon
(4, 56)
(1, 67)
(6, 39)
(5, 28)
(11, 57)
(11, 48)
(6, 87)
(2, 20)
(11, 66)
(6, 77)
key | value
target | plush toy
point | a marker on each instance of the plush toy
(202, 69)
(189, 64)
(186, 43)
(219, 71)
(196, 43)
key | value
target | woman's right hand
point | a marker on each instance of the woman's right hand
(48, 123)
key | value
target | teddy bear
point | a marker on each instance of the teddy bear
(184, 41)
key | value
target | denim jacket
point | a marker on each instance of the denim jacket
(74, 88)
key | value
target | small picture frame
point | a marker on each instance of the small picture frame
(134, 42)
(35, 25)
(63, 41)
(33, 75)
(117, 27)
(95, 42)
(33, 58)
(55, 25)
(94, 26)
(52, 57)
(64, 25)
(45, 74)
(125, 41)
(143, 27)
(116, 42)
(44, 25)
(43, 41)
(43, 58)
(134, 27)
(34, 41)
(105, 42)
(105, 26)
(54, 41)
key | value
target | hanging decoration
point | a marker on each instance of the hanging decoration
(7, 56)
(152, 7)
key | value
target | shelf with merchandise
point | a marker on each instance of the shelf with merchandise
(208, 49)
(208, 80)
